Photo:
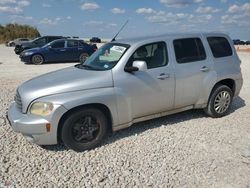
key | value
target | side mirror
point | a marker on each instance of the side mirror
(141, 65)
(137, 66)
(131, 69)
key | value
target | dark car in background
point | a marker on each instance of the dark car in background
(38, 42)
(239, 42)
(61, 50)
(95, 40)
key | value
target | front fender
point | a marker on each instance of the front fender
(69, 100)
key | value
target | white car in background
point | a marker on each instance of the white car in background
(17, 41)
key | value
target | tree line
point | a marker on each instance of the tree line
(14, 31)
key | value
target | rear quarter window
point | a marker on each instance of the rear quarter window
(189, 50)
(220, 47)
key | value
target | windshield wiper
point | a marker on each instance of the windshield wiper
(81, 66)
(87, 66)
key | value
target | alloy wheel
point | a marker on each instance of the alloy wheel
(222, 102)
(85, 129)
(37, 59)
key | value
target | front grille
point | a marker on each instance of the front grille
(18, 100)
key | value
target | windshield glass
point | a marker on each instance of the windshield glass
(106, 57)
(35, 39)
(46, 45)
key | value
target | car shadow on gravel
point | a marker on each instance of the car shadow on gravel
(170, 120)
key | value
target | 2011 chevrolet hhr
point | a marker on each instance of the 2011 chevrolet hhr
(128, 81)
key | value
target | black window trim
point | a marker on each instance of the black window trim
(152, 43)
(194, 37)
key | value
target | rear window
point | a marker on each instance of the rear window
(189, 50)
(220, 47)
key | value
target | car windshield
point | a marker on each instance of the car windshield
(46, 45)
(106, 57)
(35, 39)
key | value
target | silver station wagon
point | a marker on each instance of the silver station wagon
(128, 81)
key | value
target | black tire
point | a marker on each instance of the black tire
(83, 57)
(219, 101)
(37, 59)
(84, 129)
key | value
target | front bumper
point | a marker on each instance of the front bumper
(18, 50)
(26, 59)
(34, 127)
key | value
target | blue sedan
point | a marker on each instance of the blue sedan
(61, 50)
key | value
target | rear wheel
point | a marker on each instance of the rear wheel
(219, 101)
(37, 59)
(83, 57)
(84, 129)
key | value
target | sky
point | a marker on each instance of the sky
(103, 18)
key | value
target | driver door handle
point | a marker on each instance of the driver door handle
(62, 50)
(204, 69)
(163, 76)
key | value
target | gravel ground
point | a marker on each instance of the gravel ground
(188, 149)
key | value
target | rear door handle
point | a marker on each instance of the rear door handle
(204, 69)
(163, 76)
(62, 50)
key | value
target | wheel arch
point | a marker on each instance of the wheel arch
(98, 106)
(228, 82)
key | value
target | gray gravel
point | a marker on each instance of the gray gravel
(183, 150)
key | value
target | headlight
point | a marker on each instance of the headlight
(28, 53)
(41, 108)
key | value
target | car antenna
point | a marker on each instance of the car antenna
(119, 31)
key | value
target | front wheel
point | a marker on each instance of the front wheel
(219, 101)
(84, 129)
(37, 59)
(83, 57)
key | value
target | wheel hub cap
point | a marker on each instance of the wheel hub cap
(85, 129)
(222, 102)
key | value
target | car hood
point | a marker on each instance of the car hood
(61, 81)
(32, 50)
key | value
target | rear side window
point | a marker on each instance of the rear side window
(72, 43)
(189, 50)
(220, 47)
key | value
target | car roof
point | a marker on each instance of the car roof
(132, 41)
(66, 39)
